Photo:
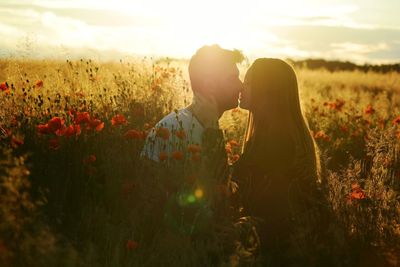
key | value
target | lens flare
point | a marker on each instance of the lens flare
(198, 193)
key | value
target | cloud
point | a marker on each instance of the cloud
(128, 27)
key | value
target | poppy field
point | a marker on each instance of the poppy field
(76, 192)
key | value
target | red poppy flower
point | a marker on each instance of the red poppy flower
(369, 110)
(133, 134)
(39, 84)
(163, 133)
(163, 156)
(82, 117)
(96, 124)
(234, 143)
(235, 158)
(61, 131)
(118, 119)
(396, 120)
(17, 141)
(337, 105)
(43, 129)
(344, 128)
(194, 148)
(321, 135)
(55, 124)
(356, 192)
(131, 244)
(77, 128)
(181, 134)
(69, 131)
(3, 86)
(178, 155)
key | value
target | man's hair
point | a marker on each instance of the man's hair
(209, 61)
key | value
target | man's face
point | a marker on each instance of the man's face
(228, 87)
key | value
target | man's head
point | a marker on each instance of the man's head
(213, 72)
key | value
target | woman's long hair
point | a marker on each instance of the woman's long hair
(277, 135)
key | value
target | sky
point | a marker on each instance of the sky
(362, 31)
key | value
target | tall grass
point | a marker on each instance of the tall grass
(90, 200)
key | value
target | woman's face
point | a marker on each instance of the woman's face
(245, 94)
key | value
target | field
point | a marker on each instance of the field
(75, 192)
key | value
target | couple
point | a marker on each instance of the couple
(279, 168)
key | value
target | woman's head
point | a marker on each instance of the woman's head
(276, 128)
(271, 89)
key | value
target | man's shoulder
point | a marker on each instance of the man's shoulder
(176, 117)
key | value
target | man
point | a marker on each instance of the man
(214, 78)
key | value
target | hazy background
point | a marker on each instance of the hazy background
(357, 30)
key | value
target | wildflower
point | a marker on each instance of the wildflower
(133, 134)
(234, 143)
(369, 110)
(118, 119)
(235, 158)
(96, 124)
(396, 120)
(54, 144)
(194, 148)
(131, 244)
(321, 135)
(337, 105)
(82, 117)
(55, 124)
(69, 131)
(356, 192)
(39, 84)
(344, 128)
(43, 129)
(163, 133)
(181, 134)
(163, 156)
(178, 155)
(4, 86)
(77, 129)
(17, 141)
(61, 131)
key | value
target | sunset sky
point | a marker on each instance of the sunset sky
(356, 30)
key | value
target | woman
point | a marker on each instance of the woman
(278, 173)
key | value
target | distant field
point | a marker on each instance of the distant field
(76, 195)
